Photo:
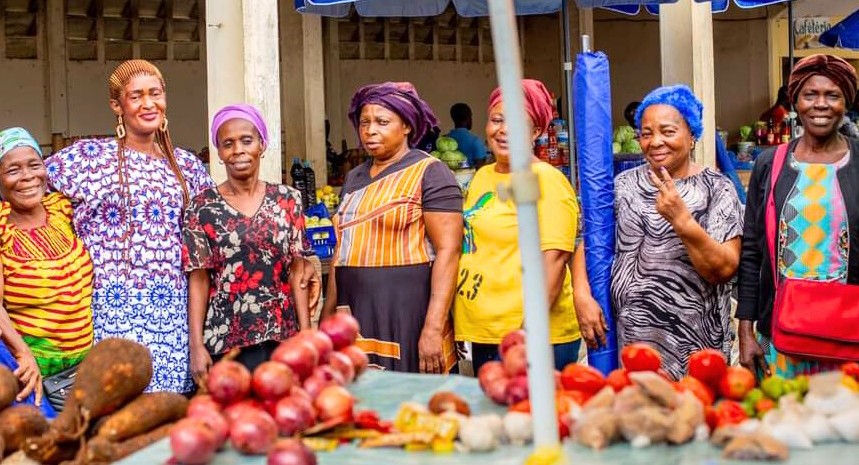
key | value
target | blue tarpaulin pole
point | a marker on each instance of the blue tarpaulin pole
(592, 92)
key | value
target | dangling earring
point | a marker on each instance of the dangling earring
(120, 128)
(164, 124)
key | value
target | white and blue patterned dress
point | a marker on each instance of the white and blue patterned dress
(140, 291)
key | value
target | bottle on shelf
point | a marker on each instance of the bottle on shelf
(299, 179)
(310, 185)
(771, 132)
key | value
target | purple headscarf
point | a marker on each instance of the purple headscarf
(239, 111)
(402, 99)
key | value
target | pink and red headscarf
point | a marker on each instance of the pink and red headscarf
(239, 111)
(538, 102)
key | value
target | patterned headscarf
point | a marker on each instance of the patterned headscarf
(243, 111)
(682, 99)
(842, 73)
(402, 99)
(13, 138)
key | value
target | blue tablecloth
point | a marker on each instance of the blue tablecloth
(384, 392)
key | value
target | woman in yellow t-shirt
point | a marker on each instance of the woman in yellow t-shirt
(488, 301)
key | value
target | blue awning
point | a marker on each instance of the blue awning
(844, 34)
(633, 7)
(419, 8)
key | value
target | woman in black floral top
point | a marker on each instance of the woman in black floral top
(243, 243)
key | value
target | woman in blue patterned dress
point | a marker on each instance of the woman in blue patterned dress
(128, 195)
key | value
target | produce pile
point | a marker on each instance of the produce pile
(640, 404)
(447, 151)
(106, 416)
(326, 195)
(300, 391)
(624, 141)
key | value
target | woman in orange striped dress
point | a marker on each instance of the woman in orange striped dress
(46, 287)
(399, 231)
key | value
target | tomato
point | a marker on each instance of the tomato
(523, 406)
(578, 397)
(640, 357)
(701, 391)
(711, 417)
(618, 379)
(583, 378)
(729, 412)
(565, 425)
(736, 383)
(708, 366)
(851, 369)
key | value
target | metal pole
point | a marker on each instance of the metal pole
(790, 42)
(568, 89)
(525, 192)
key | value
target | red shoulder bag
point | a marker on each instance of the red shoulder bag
(811, 319)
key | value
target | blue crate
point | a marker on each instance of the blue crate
(323, 239)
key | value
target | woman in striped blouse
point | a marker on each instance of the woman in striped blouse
(399, 232)
(46, 287)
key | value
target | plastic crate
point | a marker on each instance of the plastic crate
(626, 161)
(323, 239)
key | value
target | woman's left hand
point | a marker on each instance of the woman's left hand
(30, 377)
(669, 204)
(430, 351)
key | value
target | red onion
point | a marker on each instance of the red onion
(298, 391)
(513, 338)
(358, 357)
(293, 415)
(299, 354)
(217, 423)
(489, 372)
(321, 341)
(318, 381)
(343, 364)
(192, 442)
(228, 381)
(342, 328)
(202, 403)
(334, 402)
(290, 452)
(238, 409)
(515, 361)
(496, 390)
(516, 390)
(253, 433)
(272, 380)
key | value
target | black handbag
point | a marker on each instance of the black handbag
(58, 386)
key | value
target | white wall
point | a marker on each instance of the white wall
(22, 97)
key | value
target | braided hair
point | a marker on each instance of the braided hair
(120, 77)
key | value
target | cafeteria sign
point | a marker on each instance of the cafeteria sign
(807, 31)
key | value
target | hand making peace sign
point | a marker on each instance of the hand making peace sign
(669, 204)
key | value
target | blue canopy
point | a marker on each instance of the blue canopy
(419, 8)
(632, 7)
(844, 34)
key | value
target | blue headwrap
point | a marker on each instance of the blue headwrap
(13, 138)
(681, 98)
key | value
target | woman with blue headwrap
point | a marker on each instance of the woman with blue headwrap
(678, 238)
(243, 245)
(46, 286)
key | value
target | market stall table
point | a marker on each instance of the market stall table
(385, 391)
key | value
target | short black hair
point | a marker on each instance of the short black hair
(460, 113)
(629, 112)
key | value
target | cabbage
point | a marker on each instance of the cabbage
(615, 147)
(446, 144)
(453, 158)
(624, 134)
(436, 153)
(630, 146)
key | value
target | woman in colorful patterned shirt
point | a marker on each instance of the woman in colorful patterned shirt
(128, 195)
(46, 287)
(677, 238)
(244, 240)
(399, 232)
(489, 292)
(815, 196)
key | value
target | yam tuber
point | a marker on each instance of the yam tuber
(101, 449)
(145, 413)
(597, 429)
(8, 387)
(20, 422)
(656, 387)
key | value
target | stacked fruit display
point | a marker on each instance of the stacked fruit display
(328, 196)
(300, 390)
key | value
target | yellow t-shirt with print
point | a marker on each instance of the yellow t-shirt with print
(488, 299)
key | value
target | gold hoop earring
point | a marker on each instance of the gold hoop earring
(164, 124)
(120, 128)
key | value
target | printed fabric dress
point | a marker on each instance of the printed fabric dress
(47, 286)
(248, 258)
(384, 256)
(140, 290)
(658, 296)
(814, 242)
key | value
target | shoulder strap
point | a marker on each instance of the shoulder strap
(770, 216)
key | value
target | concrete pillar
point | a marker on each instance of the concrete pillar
(304, 90)
(686, 41)
(243, 67)
(57, 88)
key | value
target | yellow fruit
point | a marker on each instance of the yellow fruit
(416, 447)
(326, 189)
(547, 456)
(850, 382)
(440, 446)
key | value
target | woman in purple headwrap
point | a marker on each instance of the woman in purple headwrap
(399, 231)
(243, 247)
